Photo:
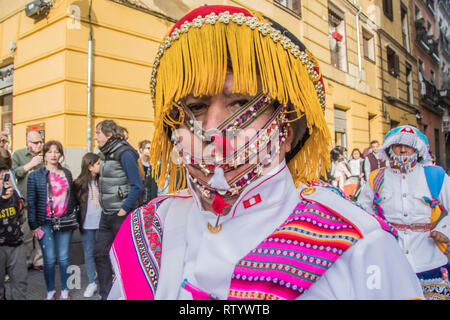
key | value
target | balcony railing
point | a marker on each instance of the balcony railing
(426, 41)
(431, 93)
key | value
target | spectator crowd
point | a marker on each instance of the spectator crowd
(36, 189)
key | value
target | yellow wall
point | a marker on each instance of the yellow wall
(51, 69)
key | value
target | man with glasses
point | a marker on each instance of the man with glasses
(25, 161)
(4, 140)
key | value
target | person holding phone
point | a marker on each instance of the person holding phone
(55, 245)
(12, 250)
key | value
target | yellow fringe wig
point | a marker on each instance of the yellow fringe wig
(193, 60)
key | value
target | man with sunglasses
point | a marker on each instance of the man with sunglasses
(239, 105)
(25, 161)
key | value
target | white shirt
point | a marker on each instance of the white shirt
(354, 166)
(207, 260)
(401, 202)
(93, 210)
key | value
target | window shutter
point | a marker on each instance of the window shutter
(397, 65)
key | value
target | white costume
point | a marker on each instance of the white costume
(373, 268)
(402, 193)
(402, 204)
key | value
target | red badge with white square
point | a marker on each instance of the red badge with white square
(252, 201)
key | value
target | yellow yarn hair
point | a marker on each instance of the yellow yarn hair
(196, 63)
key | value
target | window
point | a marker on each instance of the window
(6, 98)
(388, 10)
(368, 45)
(405, 30)
(437, 146)
(432, 77)
(336, 35)
(6, 114)
(429, 28)
(292, 5)
(393, 62)
(394, 124)
(340, 127)
(417, 12)
(421, 67)
(409, 80)
(371, 127)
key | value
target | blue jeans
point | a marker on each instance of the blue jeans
(55, 245)
(88, 237)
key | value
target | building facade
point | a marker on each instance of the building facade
(53, 67)
(381, 74)
(428, 62)
(442, 9)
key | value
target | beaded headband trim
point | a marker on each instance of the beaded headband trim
(253, 23)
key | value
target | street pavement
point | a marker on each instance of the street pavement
(36, 285)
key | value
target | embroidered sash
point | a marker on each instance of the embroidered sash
(287, 263)
(136, 251)
(295, 256)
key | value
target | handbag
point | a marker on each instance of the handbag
(66, 222)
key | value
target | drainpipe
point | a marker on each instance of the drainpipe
(89, 85)
(383, 107)
(358, 40)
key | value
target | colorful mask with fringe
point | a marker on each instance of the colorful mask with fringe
(193, 60)
(408, 136)
(403, 163)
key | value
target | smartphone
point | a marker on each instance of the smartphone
(6, 177)
(41, 234)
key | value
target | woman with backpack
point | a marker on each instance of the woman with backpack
(412, 196)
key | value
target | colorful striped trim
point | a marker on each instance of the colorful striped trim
(146, 233)
(149, 257)
(295, 256)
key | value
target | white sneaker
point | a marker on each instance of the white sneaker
(90, 290)
(64, 295)
(50, 295)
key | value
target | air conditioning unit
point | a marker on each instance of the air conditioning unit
(37, 9)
